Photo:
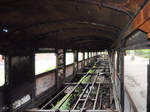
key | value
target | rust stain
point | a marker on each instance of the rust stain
(129, 5)
(142, 21)
(148, 35)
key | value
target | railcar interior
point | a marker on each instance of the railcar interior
(69, 55)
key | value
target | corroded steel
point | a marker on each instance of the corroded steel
(52, 23)
(141, 21)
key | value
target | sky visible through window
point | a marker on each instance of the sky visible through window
(2, 71)
(44, 62)
(69, 58)
(80, 56)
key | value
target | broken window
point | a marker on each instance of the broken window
(69, 58)
(86, 56)
(80, 56)
(44, 62)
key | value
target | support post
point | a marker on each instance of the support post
(122, 79)
(75, 61)
(84, 59)
(60, 67)
(148, 87)
(88, 58)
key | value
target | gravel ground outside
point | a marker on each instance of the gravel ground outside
(136, 80)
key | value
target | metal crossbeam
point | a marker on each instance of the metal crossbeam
(79, 99)
(71, 93)
(54, 97)
(72, 111)
(97, 93)
(89, 93)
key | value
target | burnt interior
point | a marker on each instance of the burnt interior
(32, 26)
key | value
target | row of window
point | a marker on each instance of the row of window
(43, 62)
(47, 61)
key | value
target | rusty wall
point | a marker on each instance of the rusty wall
(20, 72)
(44, 83)
(1, 99)
(60, 67)
(86, 62)
(79, 65)
(69, 70)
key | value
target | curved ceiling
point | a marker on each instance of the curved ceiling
(75, 24)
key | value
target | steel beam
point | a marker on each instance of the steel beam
(79, 99)
(141, 21)
(97, 94)
(55, 97)
(82, 109)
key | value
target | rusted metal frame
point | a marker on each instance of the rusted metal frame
(88, 57)
(71, 111)
(148, 87)
(116, 97)
(55, 97)
(59, 94)
(107, 83)
(59, 66)
(84, 59)
(82, 109)
(101, 68)
(122, 79)
(86, 87)
(81, 73)
(100, 104)
(97, 94)
(139, 21)
(96, 68)
(132, 27)
(70, 93)
(75, 62)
